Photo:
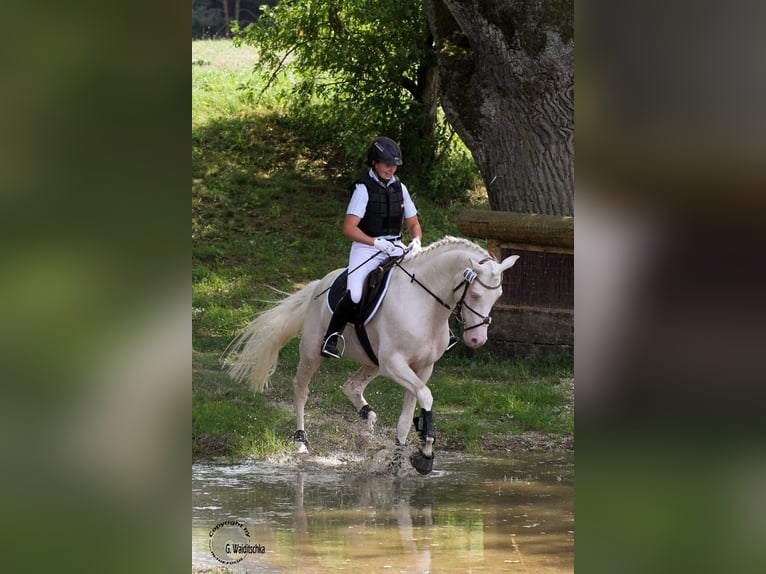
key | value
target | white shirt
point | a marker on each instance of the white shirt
(358, 204)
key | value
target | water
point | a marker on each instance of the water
(472, 514)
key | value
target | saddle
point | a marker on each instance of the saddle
(375, 288)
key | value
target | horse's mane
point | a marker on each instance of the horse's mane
(448, 240)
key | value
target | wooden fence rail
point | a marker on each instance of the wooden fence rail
(535, 314)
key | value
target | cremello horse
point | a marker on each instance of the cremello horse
(409, 333)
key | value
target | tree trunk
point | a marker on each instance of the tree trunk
(226, 31)
(506, 81)
(430, 98)
(418, 137)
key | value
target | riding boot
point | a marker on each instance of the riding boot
(344, 312)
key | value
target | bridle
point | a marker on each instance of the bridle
(469, 276)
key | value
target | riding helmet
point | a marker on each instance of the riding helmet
(384, 149)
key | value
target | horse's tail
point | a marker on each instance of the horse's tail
(256, 348)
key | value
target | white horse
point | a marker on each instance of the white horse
(408, 333)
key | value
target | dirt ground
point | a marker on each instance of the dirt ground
(348, 435)
(530, 442)
(355, 436)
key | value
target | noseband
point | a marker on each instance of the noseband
(469, 276)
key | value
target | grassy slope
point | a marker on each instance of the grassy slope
(267, 208)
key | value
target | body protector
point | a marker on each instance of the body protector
(385, 207)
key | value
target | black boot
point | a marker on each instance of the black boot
(344, 312)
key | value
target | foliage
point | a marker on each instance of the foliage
(361, 69)
(206, 19)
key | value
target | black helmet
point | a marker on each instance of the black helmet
(384, 149)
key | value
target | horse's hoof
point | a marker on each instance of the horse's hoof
(301, 442)
(422, 463)
(369, 415)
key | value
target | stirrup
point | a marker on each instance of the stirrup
(329, 353)
(452, 341)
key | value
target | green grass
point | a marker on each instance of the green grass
(477, 400)
(267, 206)
(228, 419)
(482, 398)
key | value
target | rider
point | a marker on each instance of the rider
(379, 204)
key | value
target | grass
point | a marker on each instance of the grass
(267, 206)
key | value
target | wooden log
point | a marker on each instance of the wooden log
(532, 325)
(518, 228)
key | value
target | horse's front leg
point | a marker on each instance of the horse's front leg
(402, 431)
(423, 459)
(405, 418)
(354, 390)
(415, 385)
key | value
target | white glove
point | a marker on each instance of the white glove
(414, 247)
(388, 247)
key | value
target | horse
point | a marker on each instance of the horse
(408, 333)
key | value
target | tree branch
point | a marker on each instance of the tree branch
(276, 71)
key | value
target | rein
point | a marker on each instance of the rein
(427, 290)
(365, 262)
(469, 276)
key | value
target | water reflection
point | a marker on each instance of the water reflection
(471, 515)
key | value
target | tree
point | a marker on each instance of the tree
(502, 70)
(371, 63)
(506, 83)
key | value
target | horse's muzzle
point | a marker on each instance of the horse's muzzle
(475, 339)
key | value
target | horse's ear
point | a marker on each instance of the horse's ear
(508, 262)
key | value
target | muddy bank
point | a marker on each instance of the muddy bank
(345, 442)
(348, 433)
(377, 455)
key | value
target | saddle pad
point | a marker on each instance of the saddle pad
(375, 288)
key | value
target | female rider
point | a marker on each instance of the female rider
(379, 204)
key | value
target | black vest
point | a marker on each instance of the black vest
(385, 207)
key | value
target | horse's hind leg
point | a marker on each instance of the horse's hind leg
(307, 366)
(405, 418)
(354, 390)
(402, 430)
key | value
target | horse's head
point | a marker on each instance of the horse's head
(482, 287)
